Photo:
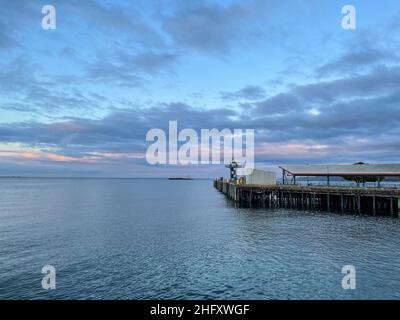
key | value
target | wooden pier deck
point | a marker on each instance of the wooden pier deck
(373, 201)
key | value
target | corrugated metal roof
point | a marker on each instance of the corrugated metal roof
(344, 170)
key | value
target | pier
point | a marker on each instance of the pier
(352, 200)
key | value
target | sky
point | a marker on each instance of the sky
(78, 100)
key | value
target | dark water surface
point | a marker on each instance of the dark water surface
(160, 239)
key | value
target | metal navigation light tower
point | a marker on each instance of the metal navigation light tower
(233, 166)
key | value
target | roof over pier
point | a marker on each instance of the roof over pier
(360, 170)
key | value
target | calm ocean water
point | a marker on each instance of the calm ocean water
(160, 239)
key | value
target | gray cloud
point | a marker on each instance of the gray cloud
(278, 104)
(382, 79)
(108, 71)
(121, 130)
(153, 62)
(25, 90)
(249, 92)
(211, 27)
(122, 21)
(353, 62)
(6, 40)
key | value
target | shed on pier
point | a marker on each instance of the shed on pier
(261, 177)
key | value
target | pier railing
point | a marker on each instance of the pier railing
(383, 185)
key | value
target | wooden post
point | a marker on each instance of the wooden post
(391, 206)
(263, 198)
(328, 202)
(341, 203)
(374, 205)
(251, 196)
(313, 200)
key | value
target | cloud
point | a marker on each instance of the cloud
(153, 62)
(120, 131)
(6, 40)
(98, 41)
(278, 104)
(119, 19)
(381, 80)
(110, 72)
(357, 106)
(284, 121)
(217, 28)
(249, 92)
(24, 89)
(13, 21)
(354, 61)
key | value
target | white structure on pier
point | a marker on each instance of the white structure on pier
(261, 177)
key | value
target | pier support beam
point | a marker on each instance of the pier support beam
(341, 203)
(328, 202)
(374, 205)
(391, 206)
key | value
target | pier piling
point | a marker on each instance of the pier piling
(375, 201)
